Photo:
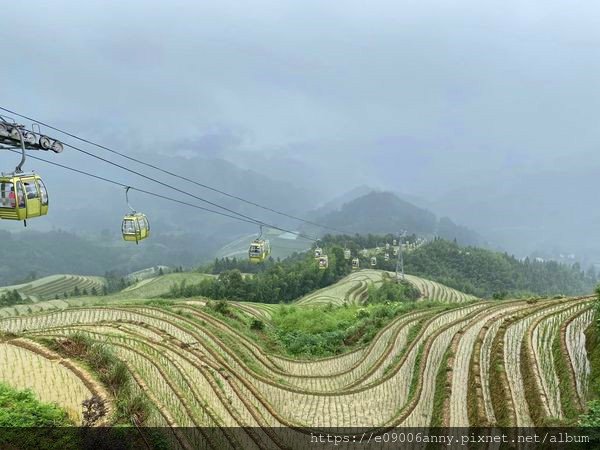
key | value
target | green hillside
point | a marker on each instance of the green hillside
(486, 273)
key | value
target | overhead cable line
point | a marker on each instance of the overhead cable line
(258, 205)
(118, 183)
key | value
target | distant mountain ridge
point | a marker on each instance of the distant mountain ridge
(385, 212)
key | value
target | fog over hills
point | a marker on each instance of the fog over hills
(484, 113)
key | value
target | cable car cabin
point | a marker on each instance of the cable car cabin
(259, 250)
(395, 251)
(135, 227)
(387, 245)
(373, 261)
(386, 257)
(22, 196)
(347, 254)
(318, 252)
(394, 242)
(323, 262)
(355, 263)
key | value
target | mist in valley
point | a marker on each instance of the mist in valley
(481, 113)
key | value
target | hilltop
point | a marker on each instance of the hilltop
(385, 212)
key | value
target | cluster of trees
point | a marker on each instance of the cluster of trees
(490, 274)
(391, 291)
(243, 265)
(279, 282)
(357, 242)
(11, 298)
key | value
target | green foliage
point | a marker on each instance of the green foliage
(330, 330)
(243, 265)
(282, 281)
(12, 298)
(390, 291)
(592, 417)
(485, 273)
(257, 325)
(23, 409)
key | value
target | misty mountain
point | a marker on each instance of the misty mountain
(337, 202)
(81, 205)
(549, 211)
(385, 212)
(32, 254)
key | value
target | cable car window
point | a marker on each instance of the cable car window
(147, 223)
(7, 195)
(31, 189)
(128, 227)
(141, 223)
(20, 195)
(43, 192)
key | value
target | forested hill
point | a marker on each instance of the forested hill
(486, 273)
(385, 212)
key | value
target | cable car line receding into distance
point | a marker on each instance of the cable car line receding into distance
(171, 199)
(168, 173)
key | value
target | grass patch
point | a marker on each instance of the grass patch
(320, 331)
(442, 390)
(110, 371)
(499, 387)
(416, 373)
(568, 396)
(410, 337)
(593, 349)
(532, 393)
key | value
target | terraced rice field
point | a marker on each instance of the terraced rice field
(157, 286)
(56, 285)
(353, 289)
(26, 365)
(199, 371)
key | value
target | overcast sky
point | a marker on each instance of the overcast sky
(456, 90)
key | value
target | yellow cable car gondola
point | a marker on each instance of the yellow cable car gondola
(323, 262)
(386, 257)
(22, 195)
(347, 254)
(373, 261)
(259, 250)
(355, 263)
(318, 252)
(135, 226)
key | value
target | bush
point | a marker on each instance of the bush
(257, 325)
(23, 409)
